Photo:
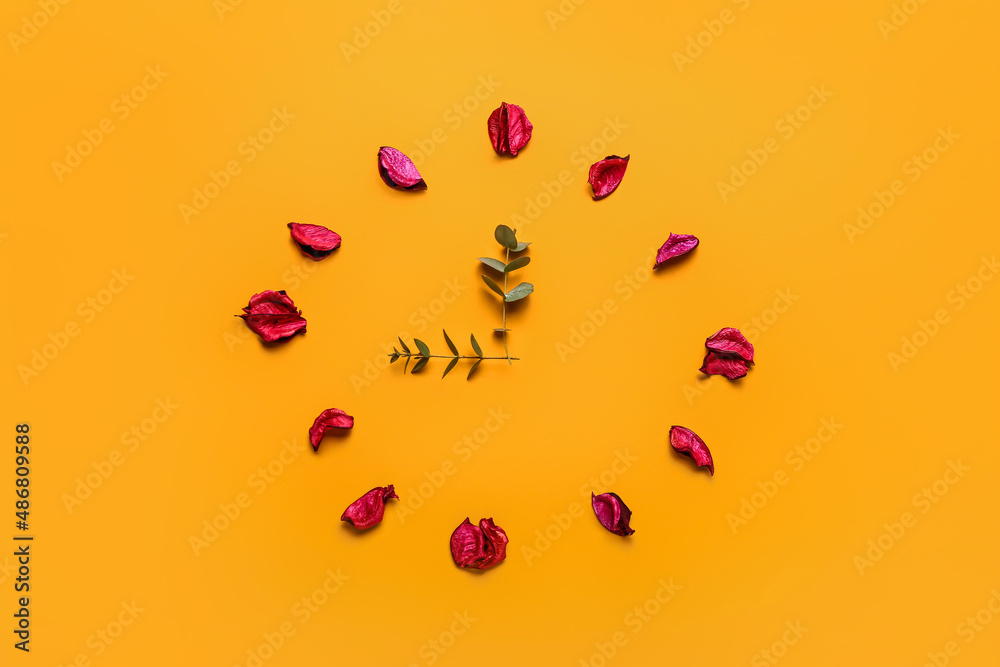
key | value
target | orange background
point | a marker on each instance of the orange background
(849, 301)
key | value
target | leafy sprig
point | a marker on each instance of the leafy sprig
(423, 355)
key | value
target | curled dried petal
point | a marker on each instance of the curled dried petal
(398, 171)
(367, 510)
(732, 366)
(606, 174)
(314, 241)
(675, 246)
(730, 340)
(272, 315)
(331, 418)
(509, 129)
(686, 441)
(478, 547)
(612, 512)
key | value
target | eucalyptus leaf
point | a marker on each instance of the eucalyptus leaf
(517, 264)
(424, 350)
(519, 292)
(451, 346)
(493, 286)
(421, 362)
(505, 237)
(494, 264)
(522, 245)
(475, 346)
(473, 369)
(451, 364)
(405, 349)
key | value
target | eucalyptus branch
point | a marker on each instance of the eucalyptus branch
(423, 355)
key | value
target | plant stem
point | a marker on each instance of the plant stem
(503, 306)
(451, 356)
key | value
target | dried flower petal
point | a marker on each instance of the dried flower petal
(272, 316)
(730, 340)
(612, 512)
(367, 510)
(732, 366)
(606, 174)
(315, 241)
(478, 547)
(332, 418)
(509, 129)
(398, 171)
(686, 441)
(675, 246)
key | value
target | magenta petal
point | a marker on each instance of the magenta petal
(332, 418)
(675, 246)
(367, 510)
(478, 547)
(731, 366)
(613, 513)
(314, 241)
(398, 171)
(730, 340)
(686, 441)
(606, 174)
(509, 129)
(272, 315)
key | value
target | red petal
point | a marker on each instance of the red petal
(731, 366)
(332, 418)
(272, 316)
(686, 441)
(675, 246)
(315, 241)
(398, 171)
(606, 174)
(613, 513)
(367, 510)
(478, 547)
(730, 340)
(509, 129)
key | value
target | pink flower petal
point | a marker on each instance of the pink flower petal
(398, 171)
(675, 246)
(606, 174)
(730, 340)
(314, 241)
(272, 316)
(367, 510)
(478, 547)
(732, 366)
(332, 418)
(686, 441)
(509, 129)
(613, 513)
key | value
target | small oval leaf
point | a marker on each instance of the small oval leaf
(517, 264)
(519, 292)
(451, 346)
(494, 264)
(451, 364)
(424, 350)
(521, 246)
(421, 362)
(473, 369)
(405, 349)
(505, 237)
(475, 346)
(493, 286)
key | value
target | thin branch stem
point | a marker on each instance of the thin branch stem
(450, 356)
(503, 306)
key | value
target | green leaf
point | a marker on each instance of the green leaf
(424, 350)
(475, 346)
(494, 264)
(493, 286)
(522, 246)
(451, 364)
(394, 358)
(473, 369)
(421, 362)
(451, 346)
(505, 237)
(405, 349)
(517, 264)
(500, 331)
(519, 292)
